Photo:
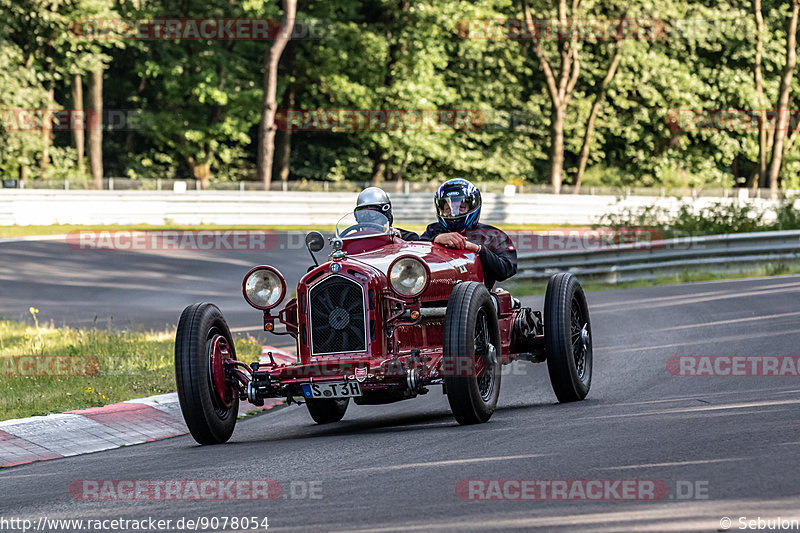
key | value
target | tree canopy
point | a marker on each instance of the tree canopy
(394, 90)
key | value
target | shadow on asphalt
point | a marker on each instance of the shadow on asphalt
(306, 429)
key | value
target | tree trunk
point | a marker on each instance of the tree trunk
(792, 138)
(557, 116)
(201, 171)
(782, 119)
(77, 111)
(382, 159)
(96, 128)
(378, 169)
(130, 133)
(47, 130)
(762, 119)
(770, 140)
(560, 85)
(394, 178)
(283, 140)
(397, 176)
(598, 102)
(283, 153)
(266, 130)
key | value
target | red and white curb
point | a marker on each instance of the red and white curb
(39, 438)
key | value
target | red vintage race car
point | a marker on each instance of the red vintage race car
(381, 321)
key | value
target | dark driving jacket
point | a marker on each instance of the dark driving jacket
(498, 254)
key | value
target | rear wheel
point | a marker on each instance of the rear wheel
(568, 338)
(471, 353)
(202, 345)
(327, 411)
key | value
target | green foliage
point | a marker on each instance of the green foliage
(788, 215)
(201, 100)
(716, 218)
(19, 89)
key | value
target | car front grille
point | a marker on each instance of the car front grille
(338, 321)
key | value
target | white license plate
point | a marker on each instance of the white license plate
(334, 389)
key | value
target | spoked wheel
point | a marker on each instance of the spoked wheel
(484, 348)
(471, 353)
(326, 411)
(568, 338)
(202, 345)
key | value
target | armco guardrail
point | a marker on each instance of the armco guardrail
(718, 254)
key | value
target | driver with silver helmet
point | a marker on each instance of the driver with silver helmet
(458, 208)
(376, 199)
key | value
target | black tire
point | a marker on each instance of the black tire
(568, 338)
(209, 420)
(327, 411)
(469, 312)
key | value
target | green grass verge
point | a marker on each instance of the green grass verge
(61, 229)
(131, 365)
(518, 288)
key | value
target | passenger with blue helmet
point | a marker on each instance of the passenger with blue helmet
(458, 209)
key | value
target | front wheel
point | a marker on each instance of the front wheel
(568, 338)
(326, 411)
(202, 345)
(471, 358)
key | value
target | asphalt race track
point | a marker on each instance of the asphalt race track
(722, 446)
(141, 289)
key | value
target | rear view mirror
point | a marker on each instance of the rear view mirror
(315, 241)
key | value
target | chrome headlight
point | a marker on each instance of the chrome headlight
(408, 276)
(264, 287)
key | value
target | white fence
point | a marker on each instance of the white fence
(303, 185)
(27, 207)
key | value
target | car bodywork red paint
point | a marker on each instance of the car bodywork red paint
(397, 346)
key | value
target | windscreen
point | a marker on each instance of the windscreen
(362, 223)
